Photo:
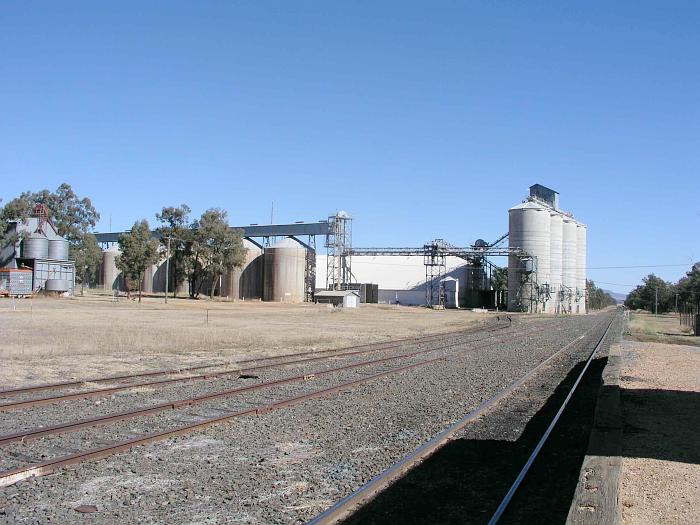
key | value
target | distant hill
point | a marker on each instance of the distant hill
(619, 297)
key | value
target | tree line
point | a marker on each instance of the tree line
(654, 294)
(201, 250)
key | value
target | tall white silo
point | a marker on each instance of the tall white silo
(569, 254)
(111, 276)
(581, 234)
(529, 229)
(556, 261)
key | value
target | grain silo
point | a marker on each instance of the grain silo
(285, 266)
(35, 246)
(581, 306)
(555, 260)
(529, 228)
(147, 285)
(111, 277)
(569, 254)
(58, 249)
(246, 282)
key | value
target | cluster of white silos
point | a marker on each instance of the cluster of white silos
(277, 273)
(550, 275)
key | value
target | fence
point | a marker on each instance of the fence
(690, 317)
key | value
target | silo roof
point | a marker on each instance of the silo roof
(288, 242)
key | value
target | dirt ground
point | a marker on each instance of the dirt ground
(660, 401)
(60, 339)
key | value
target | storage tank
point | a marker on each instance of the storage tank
(246, 282)
(529, 229)
(58, 249)
(284, 272)
(35, 246)
(111, 277)
(147, 285)
(57, 285)
(569, 255)
(581, 233)
(555, 260)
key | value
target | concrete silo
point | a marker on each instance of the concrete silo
(555, 260)
(569, 254)
(111, 276)
(285, 272)
(246, 282)
(148, 283)
(581, 305)
(529, 229)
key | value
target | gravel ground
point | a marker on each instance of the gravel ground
(281, 467)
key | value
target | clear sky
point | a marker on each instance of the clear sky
(422, 119)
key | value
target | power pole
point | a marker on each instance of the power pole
(167, 270)
(656, 301)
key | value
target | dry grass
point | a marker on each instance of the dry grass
(664, 328)
(46, 338)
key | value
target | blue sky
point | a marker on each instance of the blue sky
(422, 119)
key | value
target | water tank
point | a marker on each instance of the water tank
(35, 246)
(581, 232)
(57, 285)
(58, 249)
(246, 282)
(529, 229)
(110, 273)
(569, 255)
(284, 272)
(555, 260)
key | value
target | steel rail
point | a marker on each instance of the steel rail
(240, 371)
(32, 434)
(64, 384)
(523, 472)
(347, 505)
(46, 467)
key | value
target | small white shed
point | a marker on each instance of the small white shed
(344, 298)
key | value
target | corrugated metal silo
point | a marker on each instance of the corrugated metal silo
(35, 246)
(111, 276)
(529, 229)
(247, 282)
(581, 234)
(58, 249)
(285, 272)
(569, 254)
(555, 260)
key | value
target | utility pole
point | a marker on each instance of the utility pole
(656, 302)
(167, 270)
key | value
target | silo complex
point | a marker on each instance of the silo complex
(285, 272)
(555, 263)
(581, 306)
(529, 229)
(549, 273)
(568, 265)
(246, 282)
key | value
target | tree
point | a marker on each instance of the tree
(499, 279)
(653, 292)
(175, 226)
(217, 248)
(688, 287)
(72, 216)
(87, 256)
(597, 298)
(138, 251)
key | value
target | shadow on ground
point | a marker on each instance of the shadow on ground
(465, 480)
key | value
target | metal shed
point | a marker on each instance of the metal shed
(346, 299)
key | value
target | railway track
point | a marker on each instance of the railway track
(376, 369)
(344, 508)
(285, 360)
